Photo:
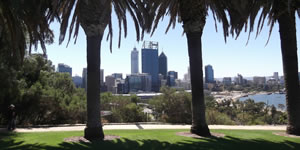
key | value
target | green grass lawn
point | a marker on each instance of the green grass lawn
(151, 140)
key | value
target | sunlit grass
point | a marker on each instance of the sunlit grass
(152, 139)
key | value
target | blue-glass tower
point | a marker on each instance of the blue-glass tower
(163, 66)
(209, 74)
(150, 62)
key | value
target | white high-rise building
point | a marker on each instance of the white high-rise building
(134, 61)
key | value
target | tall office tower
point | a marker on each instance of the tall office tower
(172, 76)
(64, 68)
(134, 61)
(150, 62)
(209, 74)
(84, 78)
(101, 77)
(276, 76)
(163, 65)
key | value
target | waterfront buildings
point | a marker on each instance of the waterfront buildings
(276, 76)
(259, 80)
(64, 68)
(163, 65)
(227, 81)
(209, 74)
(239, 80)
(134, 61)
(150, 62)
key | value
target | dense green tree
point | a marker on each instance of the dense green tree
(172, 106)
(41, 95)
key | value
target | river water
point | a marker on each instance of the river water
(272, 99)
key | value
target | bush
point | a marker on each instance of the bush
(215, 117)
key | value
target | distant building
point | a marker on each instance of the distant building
(134, 61)
(172, 77)
(117, 75)
(77, 81)
(111, 84)
(163, 65)
(276, 76)
(150, 62)
(209, 74)
(187, 76)
(101, 77)
(84, 78)
(239, 80)
(64, 68)
(135, 83)
(259, 80)
(227, 81)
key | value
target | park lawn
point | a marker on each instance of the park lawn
(151, 140)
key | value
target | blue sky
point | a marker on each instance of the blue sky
(227, 59)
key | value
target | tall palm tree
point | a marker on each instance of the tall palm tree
(94, 16)
(283, 12)
(192, 13)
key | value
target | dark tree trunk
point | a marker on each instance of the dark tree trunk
(93, 128)
(199, 125)
(287, 29)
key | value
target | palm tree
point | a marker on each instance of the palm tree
(24, 24)
(192, 13)
(94, 16)
(283, 12)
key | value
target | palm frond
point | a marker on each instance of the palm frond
(136, 9)
(28, 23)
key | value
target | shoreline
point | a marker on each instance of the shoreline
(236, 95)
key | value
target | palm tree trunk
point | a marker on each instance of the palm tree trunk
(199, 125)
(93, 128)
(287, 29)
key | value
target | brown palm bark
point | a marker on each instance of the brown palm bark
(287, 29)
(199, 125)
(94, 15)
(193, 15)
(93, 128)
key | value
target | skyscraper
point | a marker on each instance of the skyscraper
(134, 61)
(84, 78)
(101, 77)
(150, 62)
(163, 65)
(172, 76)
(209, 74)
(64, 68)
(276, 76)
(117, 75)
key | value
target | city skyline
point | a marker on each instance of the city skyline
(228, 59)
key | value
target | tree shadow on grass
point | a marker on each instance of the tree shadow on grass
(228, 143)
